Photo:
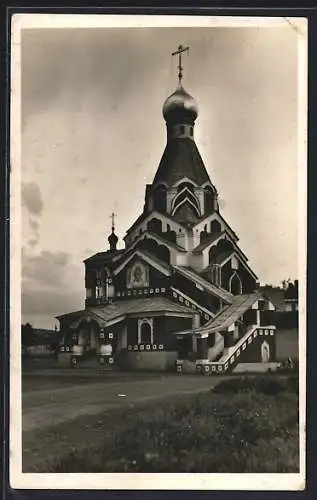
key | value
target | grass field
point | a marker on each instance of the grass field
(243, 425)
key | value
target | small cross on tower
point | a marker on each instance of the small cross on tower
(112, 216)
(113, 239)
(179, 52)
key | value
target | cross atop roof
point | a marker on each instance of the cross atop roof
(179, 52)
(112, 216)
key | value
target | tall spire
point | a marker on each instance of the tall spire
(113, 238)
(179, 52)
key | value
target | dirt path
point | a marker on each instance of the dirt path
(44, 408)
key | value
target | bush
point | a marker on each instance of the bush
(266, 384)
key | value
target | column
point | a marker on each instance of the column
(196, 321)
(202, 348)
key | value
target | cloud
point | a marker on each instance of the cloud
(32, 198)
(35, 225)
(48, 303)
(47, 268)
(51, 284)
(32, 242)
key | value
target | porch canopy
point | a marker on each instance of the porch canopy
(227, 316)
(117, 311)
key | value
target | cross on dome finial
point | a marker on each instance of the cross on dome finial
(179, 51)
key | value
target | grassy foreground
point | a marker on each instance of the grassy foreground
(244, 425)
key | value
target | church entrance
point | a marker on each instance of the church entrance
(88, 336)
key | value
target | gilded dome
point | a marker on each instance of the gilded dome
(180, 105)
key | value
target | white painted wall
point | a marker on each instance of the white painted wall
(195, 261)
(181, 259)
(218, 347)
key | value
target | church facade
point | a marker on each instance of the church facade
(181, 294)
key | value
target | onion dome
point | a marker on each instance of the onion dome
(180, 107)
(113, 240)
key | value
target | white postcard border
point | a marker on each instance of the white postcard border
(125, 481)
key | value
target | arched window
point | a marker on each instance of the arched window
(224, 245)
(203, 236)
(208, 199)
(145, 331)
(149, 244)
(170, 236)
(155, 226)
(146, 334)
(235, 285)
(212, 254)
(215, 227)
(163, 253)
(159, 198)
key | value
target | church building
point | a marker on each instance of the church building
(181, 294)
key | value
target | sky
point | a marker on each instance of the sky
(93, 135)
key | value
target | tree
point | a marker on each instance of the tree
(27, 335)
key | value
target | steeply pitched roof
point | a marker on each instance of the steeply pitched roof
(147, 256)
(200, 280)
(181, 158)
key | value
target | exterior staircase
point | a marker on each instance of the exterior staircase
(232, 356)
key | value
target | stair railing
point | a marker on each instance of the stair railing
(231, 359)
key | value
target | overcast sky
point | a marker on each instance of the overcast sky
(93, 135)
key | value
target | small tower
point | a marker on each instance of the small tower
(181, 187)
(113, 238)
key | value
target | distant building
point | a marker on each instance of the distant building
(182, 292)
(284, 298)
(291, 296)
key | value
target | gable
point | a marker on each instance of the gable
(159, 239)
(141, 224)
(145, 259)
(227, 244)
(140, 271)
(234, 261)
(215, 216)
